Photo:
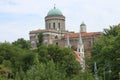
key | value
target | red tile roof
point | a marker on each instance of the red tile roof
(76, 35)
(76, 56)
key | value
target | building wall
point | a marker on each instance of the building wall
(49, 37)
(88, 42)
(33, 40)
(59, 22)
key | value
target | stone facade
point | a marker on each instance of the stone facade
(87, 38)
(49, 36)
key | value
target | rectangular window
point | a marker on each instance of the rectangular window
(59, 26)
(49, 25)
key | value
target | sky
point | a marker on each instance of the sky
(19, 17)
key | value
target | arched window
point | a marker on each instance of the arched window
(56, 37)
(56, 43)
(53, 25)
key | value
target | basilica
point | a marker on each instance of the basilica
(55, 32)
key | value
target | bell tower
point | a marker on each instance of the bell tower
(80, 50)
(83, 28)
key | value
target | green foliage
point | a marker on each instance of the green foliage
(24, 44)
(43, 54)
(44, 63)
(4, 72)
(84, 76)
(63, 57)
(106, 53)
(3, 78)
(20, 75)
(1, 59)
(7, 63)
(49, 71)
(28, 60)
(16, 57)
(113, 31)
(44, 71)
(40, 39)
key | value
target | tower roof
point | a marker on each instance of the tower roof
(54, 12)
(76, 35)
(80, 39)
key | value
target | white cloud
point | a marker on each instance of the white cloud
(97, 14)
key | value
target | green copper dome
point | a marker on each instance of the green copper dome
(83, 24)
(54, 12)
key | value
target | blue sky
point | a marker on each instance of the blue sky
(18, 17)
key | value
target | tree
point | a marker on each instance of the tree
(24, 44)
(27, 61)
(44, 71)
(106, 53)
(111, 32)
(45, 63)
(43, 54)
(40, 39)
(63, 58)
(15, 57)
(1, 59)
(86, 75)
